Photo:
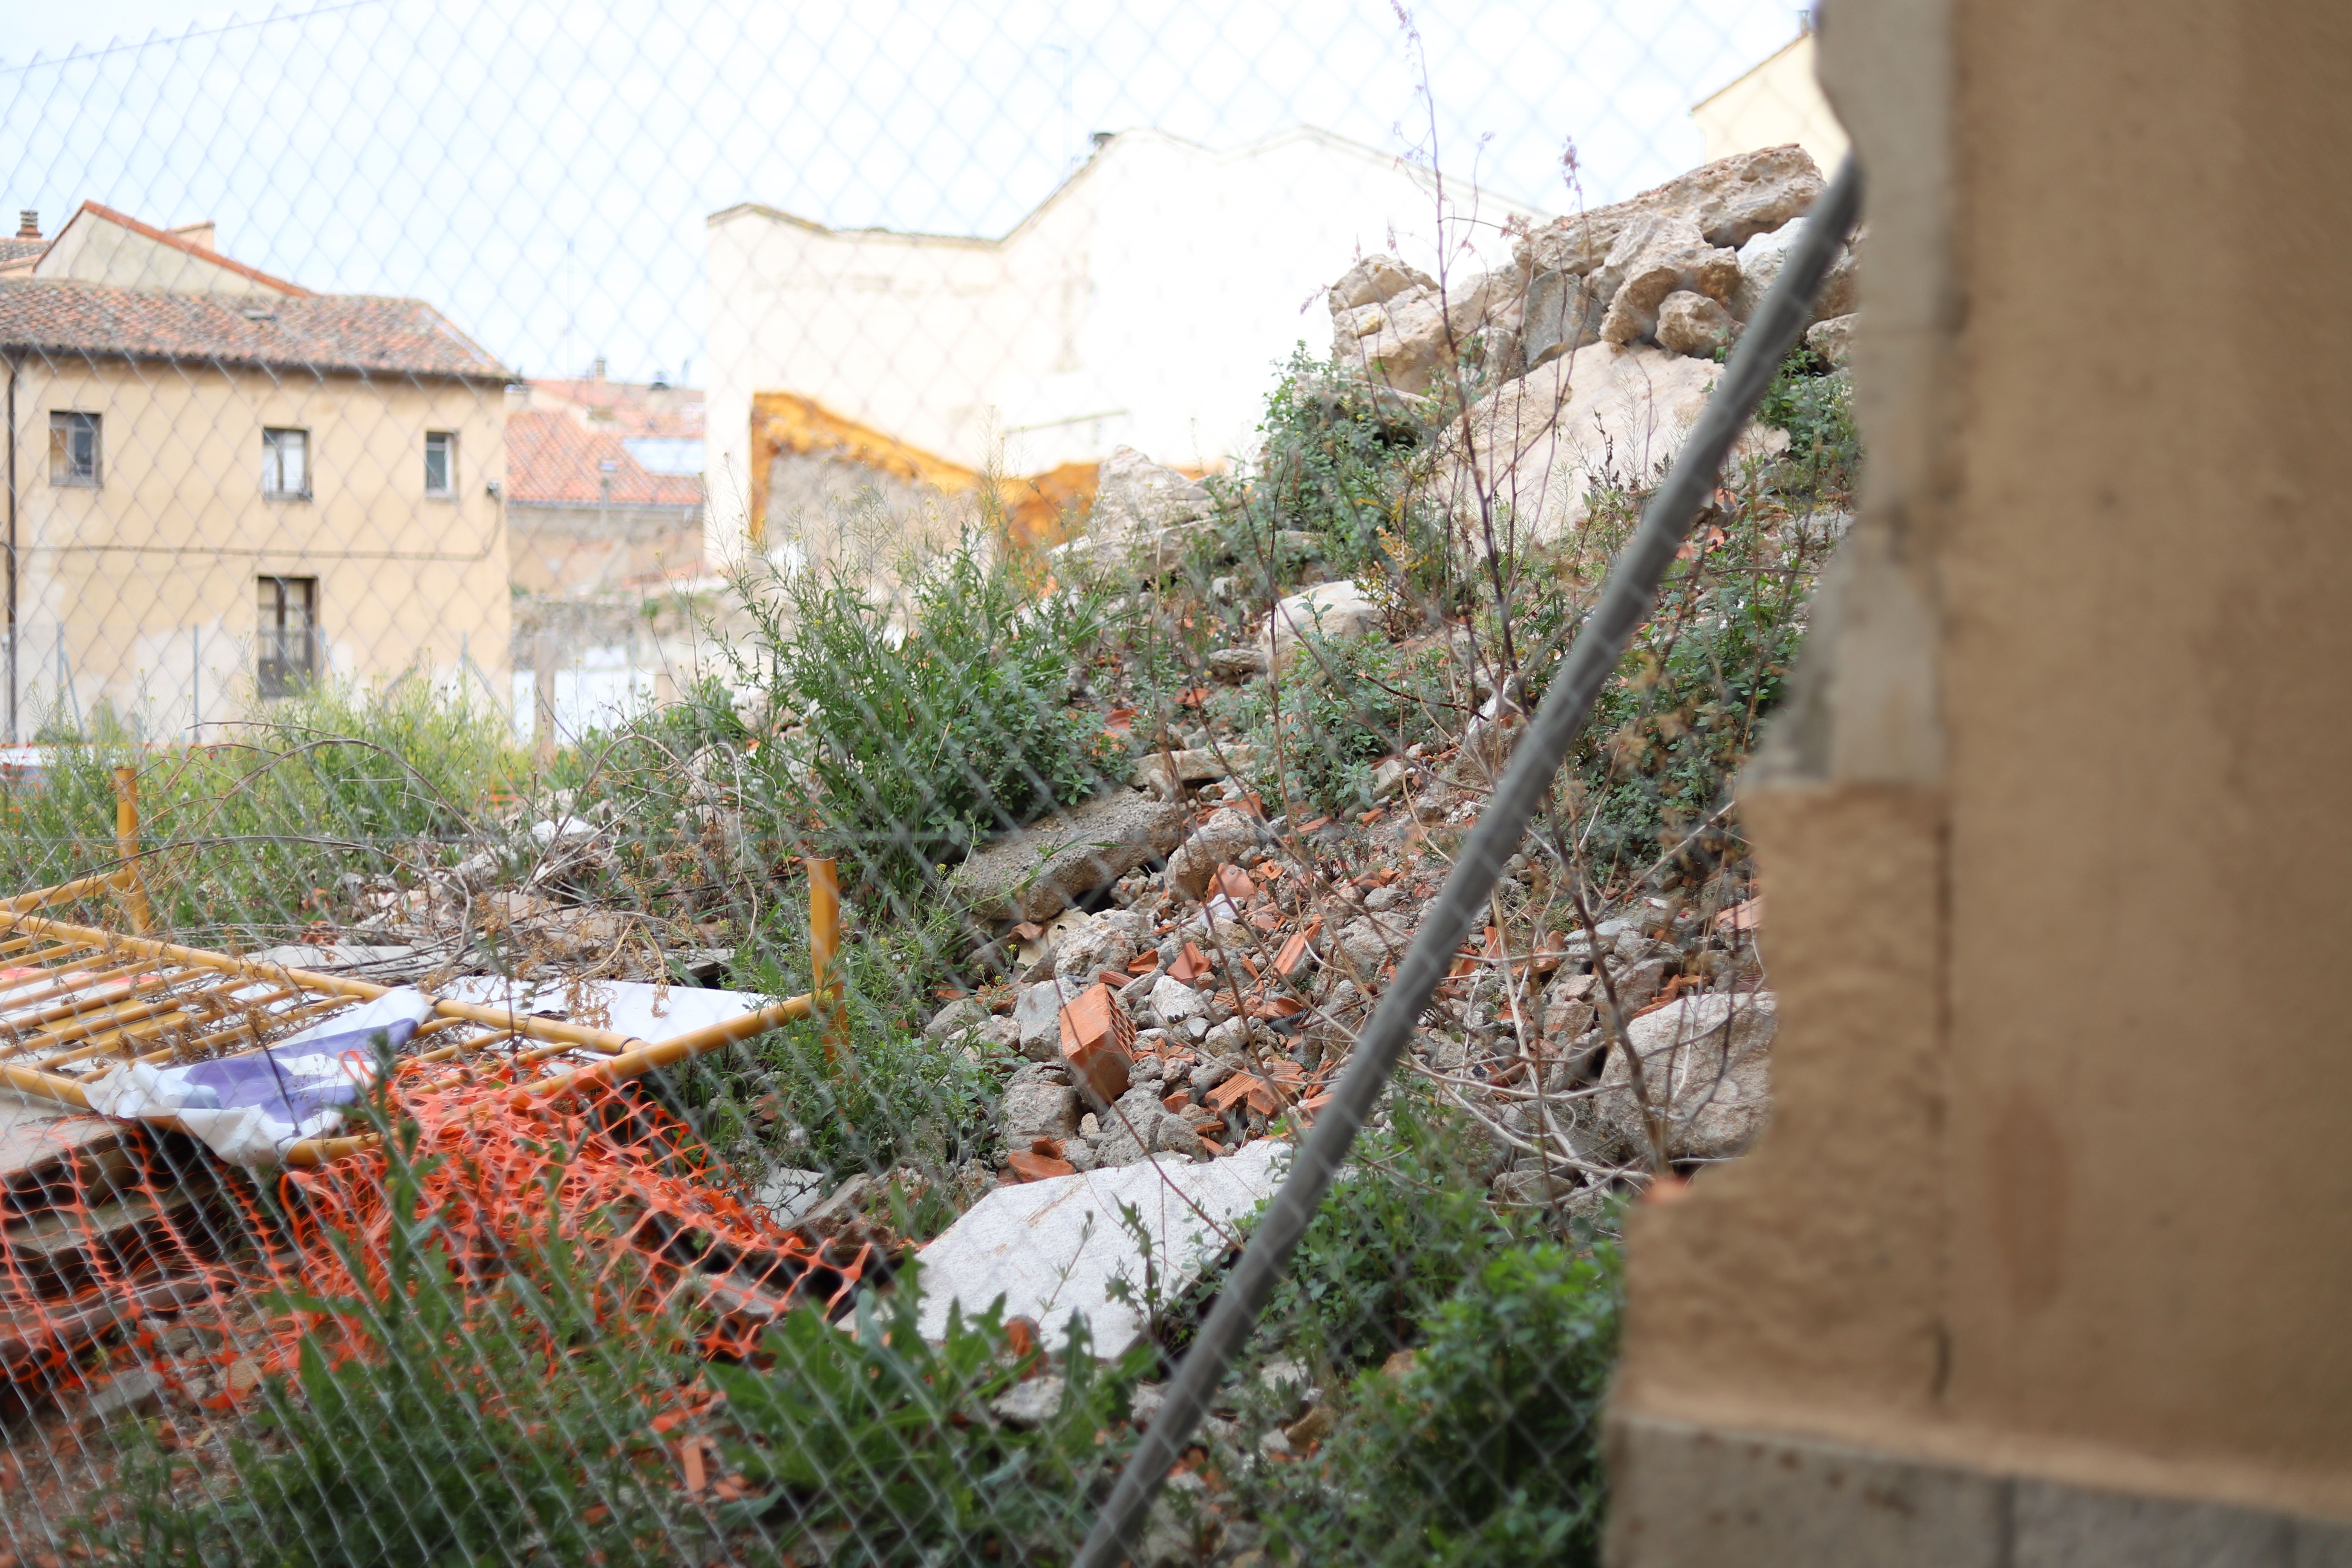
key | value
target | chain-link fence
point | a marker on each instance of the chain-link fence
(721, 725)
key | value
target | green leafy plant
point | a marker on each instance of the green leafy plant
(1485, 1448)
(1347, 702)
(438, 1432)
(896, 1450)
(250, 837)
(931, 724)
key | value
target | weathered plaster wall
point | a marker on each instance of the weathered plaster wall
(2060, 1179)
(174, 536)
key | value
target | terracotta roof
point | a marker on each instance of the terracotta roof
(14, 249)
(553, 460)
(306, 332)
(632, 407)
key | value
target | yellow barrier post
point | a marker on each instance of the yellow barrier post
(133, 884)
(824, 948)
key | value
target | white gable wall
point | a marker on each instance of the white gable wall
(1146, 303)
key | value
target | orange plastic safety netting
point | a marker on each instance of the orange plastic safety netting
(116, 1246)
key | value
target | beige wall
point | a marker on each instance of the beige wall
(1777, 102)
(94, 250)
(2059, 1181)
(179, 529)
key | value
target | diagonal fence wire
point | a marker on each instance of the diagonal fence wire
(1626, 599)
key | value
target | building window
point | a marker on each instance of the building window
(286, 464)
(286, 644)
(440, 463)
(73, 450)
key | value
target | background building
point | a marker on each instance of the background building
(1148, 302)
(223, 487)
(604, 506)
(1778, 101)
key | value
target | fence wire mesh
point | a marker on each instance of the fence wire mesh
(707, 953)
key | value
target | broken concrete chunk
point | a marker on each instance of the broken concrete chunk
(1237, 663)
(1030, 1403)
(1833, 339)
(1134, 496)
(1034, 873)
(1164, 770)
(1706, 1062)
(1051, 1248)
(1035, 1111)
(1328, 611)
(1373, 942)
(788, 1193)
(1374, 280)
(953, 1019)
(1404, 340)
(1604, 416)
(125, 1397)
(1037, 1013)
(1141, 1125)
(1223, 839)
(1175, 1004)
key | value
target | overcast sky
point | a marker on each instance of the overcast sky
(541, 170)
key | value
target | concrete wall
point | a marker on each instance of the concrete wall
(1147, 302)
(172, 539)
(2053, 1231)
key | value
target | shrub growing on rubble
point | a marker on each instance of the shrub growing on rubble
(1493, 1427)
(1349, 463)
(891, 1439)
(1347, 702)
(929, 724)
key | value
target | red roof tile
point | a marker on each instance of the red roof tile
(553, 460)
(632, 407)
(302, 331)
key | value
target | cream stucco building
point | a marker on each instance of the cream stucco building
(223, 486)
(1147, 302)
(1776, 101)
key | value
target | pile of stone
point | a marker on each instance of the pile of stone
(1682, 267)
(1589, 357)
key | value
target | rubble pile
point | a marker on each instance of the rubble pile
(1213, 997)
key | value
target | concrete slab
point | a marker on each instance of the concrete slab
(1051, 1248)
(629, 1007)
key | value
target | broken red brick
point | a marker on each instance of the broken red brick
(1099, 1041)
(1292, 952)
(1028, 1167)
(1312, 825)
(1742, 917)
(1177, 1101)
(1191, 965)
(1236, 884)
(1143, 963)
(1049, 1147)
(1245, 1089)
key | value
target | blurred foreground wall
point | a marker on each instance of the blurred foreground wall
(2048, 1256)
